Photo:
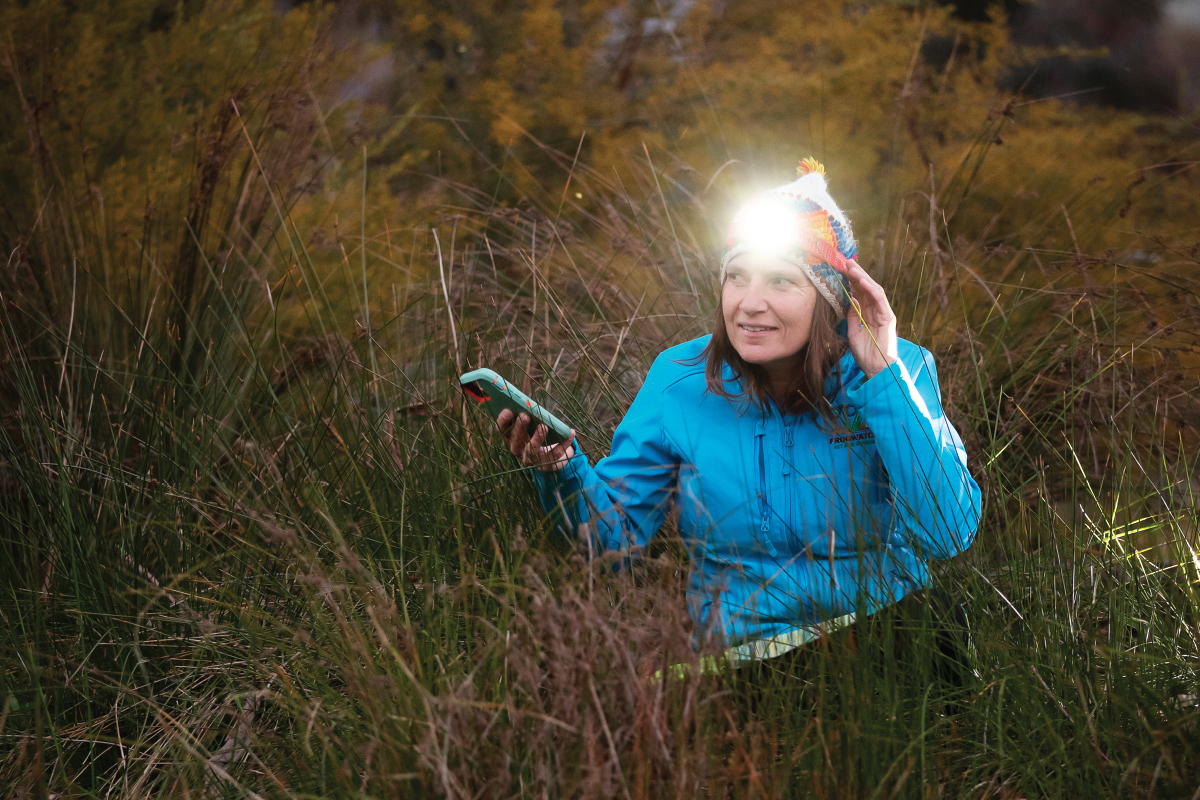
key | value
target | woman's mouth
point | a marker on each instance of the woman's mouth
(755, 330)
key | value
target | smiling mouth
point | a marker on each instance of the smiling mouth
(756, 328)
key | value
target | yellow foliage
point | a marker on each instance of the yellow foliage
(922, 152)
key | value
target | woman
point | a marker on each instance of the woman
(803, 442)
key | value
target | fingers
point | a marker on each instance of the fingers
(531, 450)
(868, 297)
(536, 444)
(563, 451)
(518, 436)
(871, 322)
(537, 454)
(856, 314)
(548, 458)
(558, 455)
(859, 278)
(532, 453)
(875, 291)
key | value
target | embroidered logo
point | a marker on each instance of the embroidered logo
(851, 429)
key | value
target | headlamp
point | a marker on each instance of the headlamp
(766, 226)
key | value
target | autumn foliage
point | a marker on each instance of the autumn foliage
(253, 545)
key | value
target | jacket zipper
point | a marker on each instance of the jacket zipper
(764, 509)
(787, 443)
(789, 487)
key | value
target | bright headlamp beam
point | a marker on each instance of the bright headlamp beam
(766, 227)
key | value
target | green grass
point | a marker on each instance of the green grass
(258, 547)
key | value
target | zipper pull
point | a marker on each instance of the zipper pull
(787, 442)
(766, 526)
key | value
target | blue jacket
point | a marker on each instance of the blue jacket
(788, 522)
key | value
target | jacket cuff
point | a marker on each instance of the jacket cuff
(568, 480)
(894, 375)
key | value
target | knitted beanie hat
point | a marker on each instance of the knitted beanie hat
(800, 223)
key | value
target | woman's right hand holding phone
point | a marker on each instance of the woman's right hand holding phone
(529, 450)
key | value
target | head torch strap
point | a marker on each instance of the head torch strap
(828, 254)
(825, 251)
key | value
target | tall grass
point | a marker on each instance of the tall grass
(297, 565)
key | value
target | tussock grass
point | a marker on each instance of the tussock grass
(296, 565)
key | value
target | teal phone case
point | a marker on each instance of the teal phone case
(494, 394)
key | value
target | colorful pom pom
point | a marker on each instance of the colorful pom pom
(808, 165)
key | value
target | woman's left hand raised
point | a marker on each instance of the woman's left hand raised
(870, 322)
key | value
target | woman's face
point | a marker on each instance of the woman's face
(768, 306)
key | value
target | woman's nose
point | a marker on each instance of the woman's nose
(755, 298)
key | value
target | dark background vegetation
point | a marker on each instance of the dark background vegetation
(252, 544)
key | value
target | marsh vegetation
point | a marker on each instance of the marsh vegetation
(255, 545)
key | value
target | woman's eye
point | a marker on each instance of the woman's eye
(778, 281)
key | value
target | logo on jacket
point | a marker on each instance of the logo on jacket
(850, 429)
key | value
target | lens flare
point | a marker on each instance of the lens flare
(766, 227)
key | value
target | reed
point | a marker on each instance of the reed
(285, 560)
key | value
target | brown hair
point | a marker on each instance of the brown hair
(806, 392)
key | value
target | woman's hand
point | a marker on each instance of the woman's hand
(529, 450)
(870, 322)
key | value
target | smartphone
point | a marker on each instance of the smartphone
(494, 394)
